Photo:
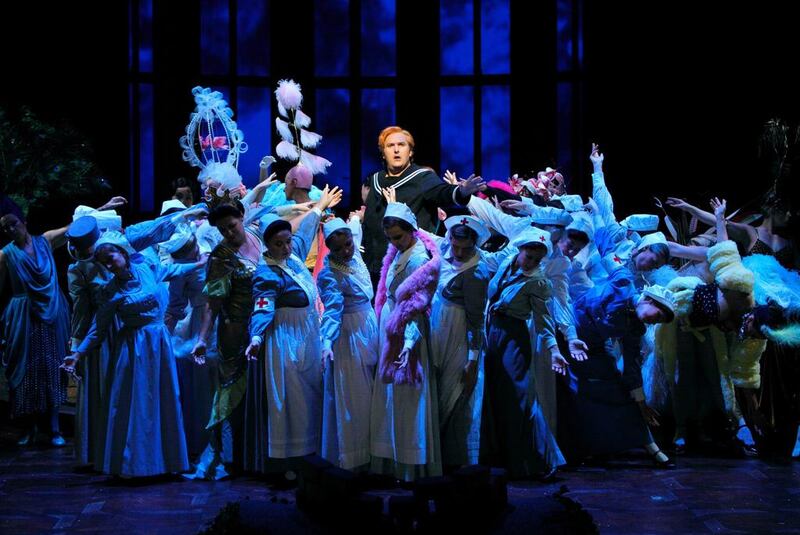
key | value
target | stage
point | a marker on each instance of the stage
(43, 492)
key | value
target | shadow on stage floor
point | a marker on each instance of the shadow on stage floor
(41, 491)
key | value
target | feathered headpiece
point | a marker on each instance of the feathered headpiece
(292, 126)
(213, 143)
(211, 135)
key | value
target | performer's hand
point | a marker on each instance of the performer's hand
(301, 208)
(596, 157)
(470, 376)
(578, 349)
(719, 207)
(680, 204)
(265, 181)
(199, 352)
(69, 364)
(402, 358)
(330, 197)
(389, 194)
(558, 363)
(471, 186)
(649, 414)
(512, 205)
(441, 214)
(358, 213)
(265, 162)
(252, 351)
(114, 202)
(451, 178)
(327, 356)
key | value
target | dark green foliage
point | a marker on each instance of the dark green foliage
(41, 163)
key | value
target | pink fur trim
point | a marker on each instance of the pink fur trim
(413, 297)
(498, 184)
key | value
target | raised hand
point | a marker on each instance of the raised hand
(680, 204)
(596, 157)
(719, 207)
(114, 202)
(267, 182)
(330, 197)
(451, 178)
(471, 185)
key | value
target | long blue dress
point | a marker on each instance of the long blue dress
(457, 336)
(350, 329)
(283, 411)
(599, 414)
(36, 330)
(404, 419)
(86, 279)
(144, 435)
(514, 431)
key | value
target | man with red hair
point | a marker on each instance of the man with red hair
(418, 187)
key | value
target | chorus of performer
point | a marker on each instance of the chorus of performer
(204, 344)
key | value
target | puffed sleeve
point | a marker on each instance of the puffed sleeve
(726, 266)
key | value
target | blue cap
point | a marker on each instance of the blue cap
(83, 232)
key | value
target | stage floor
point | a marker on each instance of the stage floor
(41, 492)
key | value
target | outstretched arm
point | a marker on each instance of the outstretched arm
(740, 232)
(600, 192)
(719, 215)
(689, 252)
(56, 237)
